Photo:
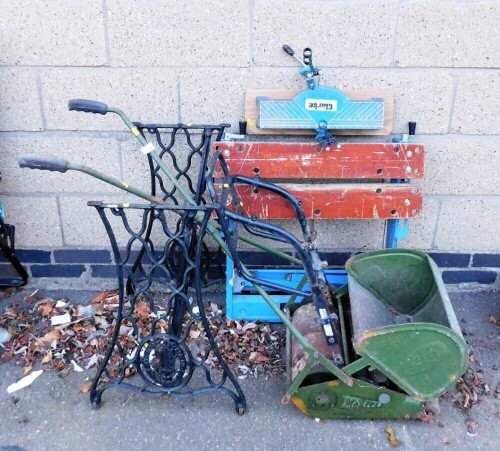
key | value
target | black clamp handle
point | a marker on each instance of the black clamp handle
(87, 106)
(43, 163)
(288, 50)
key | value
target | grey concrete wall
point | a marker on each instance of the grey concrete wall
(192, 61)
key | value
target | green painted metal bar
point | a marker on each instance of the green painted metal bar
(298, 380)
(355, 366)
(300, 285)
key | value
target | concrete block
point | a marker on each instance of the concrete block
(462, 165)
(36, 221)
(423, 96)
(423, 227)
(82, 225)
(212, 96)
(477, 104)
(20, 105)
(469, 224)
(447, 33)
(98, 153)
(357, 33)
(359, 235)
(135, 165)
(146, 95)
(173, 33)
(52, 33)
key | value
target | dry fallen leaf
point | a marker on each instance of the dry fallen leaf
(249, 326)
(101, 297)
(46, 308)
(27, 369)
(49, 337)
(392, 437)
(33, 297)
(48, 357)
(194, 333)
(142, 311)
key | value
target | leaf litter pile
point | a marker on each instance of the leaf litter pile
(472, 387)
(65, 337)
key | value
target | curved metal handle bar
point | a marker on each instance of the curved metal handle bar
(228, 184)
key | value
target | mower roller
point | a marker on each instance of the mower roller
(384, 346)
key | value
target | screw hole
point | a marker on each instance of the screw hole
(255, 190)
(379, 171)
(378, 190)
(256, 170)
(217, 148)
(240, 148)
(396, 149)
(317, 212)
(393, 212)
(416, 171)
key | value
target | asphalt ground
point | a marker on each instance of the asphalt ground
(52, 414)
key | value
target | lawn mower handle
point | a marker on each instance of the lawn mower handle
(87, 106)
(43, 163)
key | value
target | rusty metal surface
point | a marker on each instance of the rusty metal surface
(305, 320)
(335, 201)
(271, 160)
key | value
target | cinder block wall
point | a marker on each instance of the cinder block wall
(192, 61)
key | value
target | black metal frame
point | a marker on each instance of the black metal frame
(165, 356)
(166, 136)
(167, 278)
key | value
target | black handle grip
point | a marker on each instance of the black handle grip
(43, 163)
(288, 50)
(412, 128)
(87, 106)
